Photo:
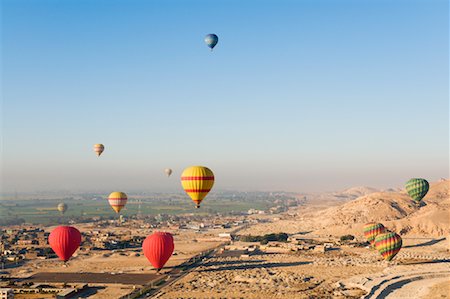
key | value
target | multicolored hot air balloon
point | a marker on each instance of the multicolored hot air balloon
(371, 230)
(98, 149)
(211, 40)
(117, 200)
(168, 171)
(388, 245)
(158, 248)
(197, 181)
(417, 189)
(62, 208)
(64, 240)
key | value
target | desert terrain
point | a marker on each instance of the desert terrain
(119, 262)
(313, 263)
(420, 270)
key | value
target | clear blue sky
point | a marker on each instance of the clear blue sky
(298, 95)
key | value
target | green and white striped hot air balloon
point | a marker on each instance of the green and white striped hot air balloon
(417, 189)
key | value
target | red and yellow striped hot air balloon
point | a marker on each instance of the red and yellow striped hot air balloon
(98, 149)
(197, 181)
(388, 244)
(371, 230)
(117, 200)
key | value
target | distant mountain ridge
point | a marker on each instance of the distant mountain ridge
(357, 191)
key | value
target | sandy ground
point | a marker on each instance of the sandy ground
(419, 289)
(126, 261)
(268, 276)
(438, 290)
(120, 261)
(343, 273)
(111, 292)
(306, 274)
(420, 270)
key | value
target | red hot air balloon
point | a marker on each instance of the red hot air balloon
(64, 241)
(158, 248)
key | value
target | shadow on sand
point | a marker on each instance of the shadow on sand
(252, 266)
(88, 292)
(229, 263)
(429, 243)
(303, 232)
(425, 262)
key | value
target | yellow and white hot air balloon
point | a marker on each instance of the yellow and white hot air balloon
(98, 149)
(117, 200)
(197, 181)
(168, 171)
(62, 208)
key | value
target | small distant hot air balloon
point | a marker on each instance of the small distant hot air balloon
(388, 245)
(371, 230)
(62, 208)
(417, 189)
(98, 149)
(158, 248)
(197, 181)
(64, 240)
(211, 40)
(168, 171)
(117, 200)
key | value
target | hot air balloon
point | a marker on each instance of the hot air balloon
(417, 189)
(197, 181)
(388, 245)
(117, 200)
(168, 171)
(62, 208)
(98, 149)
(371, 230)
(64, 240)
(158, 248)
(211, 40)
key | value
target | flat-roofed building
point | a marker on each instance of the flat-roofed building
(6, 293)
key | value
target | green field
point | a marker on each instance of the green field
(45, 212)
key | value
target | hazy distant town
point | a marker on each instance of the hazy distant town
(26, 226)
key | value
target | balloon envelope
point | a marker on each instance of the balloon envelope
(388, 245)
(62, 207)
(98, 149)
(158, 248)
(417, 188)
(371, 230)
(211, 40)
(168, 171)
(117, 200)
(197, 181)
(64, 240)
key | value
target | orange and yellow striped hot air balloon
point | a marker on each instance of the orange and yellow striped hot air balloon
(98, 149)
(117, 200)
(197, 181)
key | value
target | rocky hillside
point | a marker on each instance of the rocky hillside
(394, 209)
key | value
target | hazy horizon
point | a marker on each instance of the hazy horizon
(299, 96)
(174, 188)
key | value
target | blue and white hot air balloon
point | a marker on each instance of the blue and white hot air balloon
(211, 40)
